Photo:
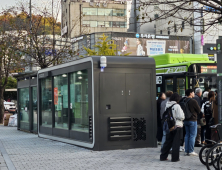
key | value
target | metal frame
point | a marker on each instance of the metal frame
(30, 83)
(56, 70)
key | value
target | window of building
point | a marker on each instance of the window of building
(175, 27)
(90, 11)
(108, 12)
(183, 25)
(61, 101)
(93, 23)
(122, 24)
(79, 101)
(161, 32)
(116, 24)
(119, 12)
(191, 21)
(156, 16)
(101, 24)
(101, 11)
(168, 30)
(108, 24)
(46, 102)
(86, 23)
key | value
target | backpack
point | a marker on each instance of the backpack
(168, 121)
(184, 106)
(208, 109)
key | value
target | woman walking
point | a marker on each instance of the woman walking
(173, 137)
(159, 135)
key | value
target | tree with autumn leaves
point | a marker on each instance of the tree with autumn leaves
(104, 47)
(27, 41)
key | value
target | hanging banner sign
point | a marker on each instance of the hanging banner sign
(155, 47)
(56, 95)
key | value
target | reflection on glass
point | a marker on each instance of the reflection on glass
(101, 24)
(90, 11)
(206, 82)
(181, 86)
(108, 12)
(61, 101)
(93, 23)
(34, 107)
(46, 102)
(79, 101)
(101, 11)
(108, 24)
(169, 84)
(24, 108)
(119, 12)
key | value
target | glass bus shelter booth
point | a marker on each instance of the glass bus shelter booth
(27, 102)
(101, 110)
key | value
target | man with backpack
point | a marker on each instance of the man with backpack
(191, 111)
(197, 97)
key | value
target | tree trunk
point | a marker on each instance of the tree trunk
(2, 109)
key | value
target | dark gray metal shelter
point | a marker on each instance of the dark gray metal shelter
(27, 101)
(114, 109)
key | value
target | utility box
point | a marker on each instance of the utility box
(112, 107)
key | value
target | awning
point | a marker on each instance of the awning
(10, 89)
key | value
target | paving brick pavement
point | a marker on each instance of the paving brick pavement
(28, 152)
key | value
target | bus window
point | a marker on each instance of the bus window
(169, 84)
(206, 82)
(181, 86)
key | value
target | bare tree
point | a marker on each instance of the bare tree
(11, 60)
(201, 14)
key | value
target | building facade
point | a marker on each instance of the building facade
(83, 17)
(134, 43)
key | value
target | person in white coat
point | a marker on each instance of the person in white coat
(173, 138)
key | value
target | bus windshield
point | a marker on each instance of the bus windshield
(206, 82)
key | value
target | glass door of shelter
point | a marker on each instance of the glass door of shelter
(24, 108)
(34, 109)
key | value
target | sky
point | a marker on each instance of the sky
(39, 3)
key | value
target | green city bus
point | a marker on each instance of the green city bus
(178, 72)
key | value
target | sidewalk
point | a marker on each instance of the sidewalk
(28, 152)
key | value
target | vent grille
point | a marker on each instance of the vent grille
(139, 129)
(120, 128)
(90, 128)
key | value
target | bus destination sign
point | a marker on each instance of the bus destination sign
(208, 69)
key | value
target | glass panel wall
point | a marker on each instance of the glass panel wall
(90, 11)
(169, 84)
(61, 101)
(35, 108)
(181, 86)
(119, 12)
(79, 101)
(46, 102)
(104, 11)
(24, 108)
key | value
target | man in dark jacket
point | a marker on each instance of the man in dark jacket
(197, 97)
(191, 124)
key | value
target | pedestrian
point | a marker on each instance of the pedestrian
(174, 136)
(162, 110)
(197, 97)
(215, 110)
(191, 123)
(207, 110)
(159, 135)
(203, 120)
